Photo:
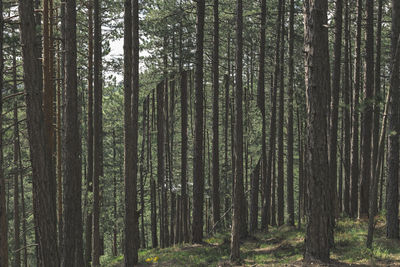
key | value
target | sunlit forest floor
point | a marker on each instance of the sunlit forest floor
(281, 246)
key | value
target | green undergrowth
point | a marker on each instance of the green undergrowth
(281, 246)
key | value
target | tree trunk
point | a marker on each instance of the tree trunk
(290, 135)
(367, 125)
(347, 117)
(215, 142)
(184, 148)
(392, 186)
(198, 164)
(97, 131)
(301, 169)
(72, 247)
(17, 243)
(131, 245)
(89, 182)
(377, 92)
(160, 157)
(142, 179)
(25, 249)
(318, 86)
(261, 106)
(3, 208)
(42, 169)
(281, 172)
(355, 131)
(334, 115)
(238, 198)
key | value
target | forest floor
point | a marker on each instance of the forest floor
(281, 246)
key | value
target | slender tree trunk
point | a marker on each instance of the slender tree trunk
(355, 131)
(301, 169)
(73, 228)
(25, 249)
(198, 164)
(238, 198)
(261, 106)
(89, 182)
(334, 116)
(281, 118)
(184, 147)
(142, 179)
(318, 85)
(290, 134)
(97, 131)
(114, 244)
(215, 142)
(227, 203)
(173, 219)
(59, 151)
(164, 190)
(346, 110)
(3, 208)
(153, 193)
(131, 244)
(48, 90)
(160, 156)
(17, 243)
(42, 169)
(392, 186)
(367, 125)
(377, 92)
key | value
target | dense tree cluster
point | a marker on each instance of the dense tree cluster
(217, 116)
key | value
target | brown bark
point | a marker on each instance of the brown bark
(318, 85)
(184, 147)
(160, 156)
(215, 128)
(42, 169)
(89, 182)
(392, 189)
(73, 229)
(367, 122)
(238, 198)
(24, 234)
(281, 173)
(355, 131)
(114, 249)
(346, 110)
(198, 164)
(290, 134)
(48, 90)
(334, 115)
(261, 106)
(142, 180)
(131, 245)
(377, 92)
(153, 190)
(17, 243)
(97, 131)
